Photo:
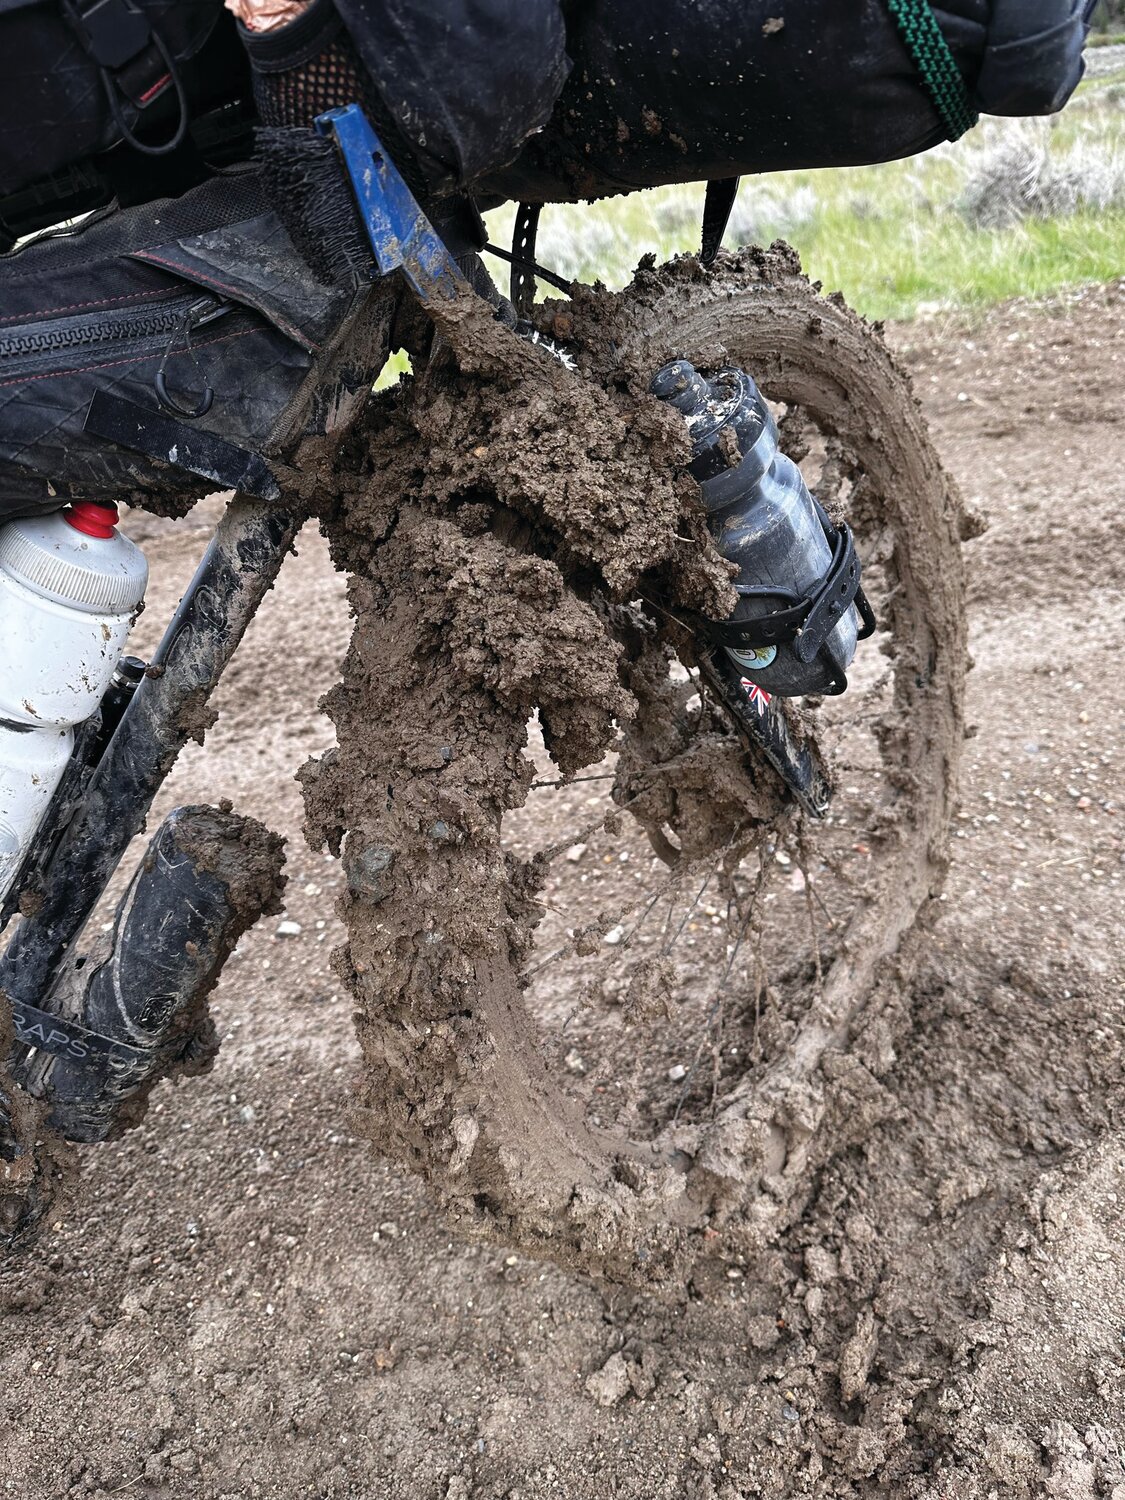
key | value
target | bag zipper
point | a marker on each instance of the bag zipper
(139, 326)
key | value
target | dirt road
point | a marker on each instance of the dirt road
(240, 1301)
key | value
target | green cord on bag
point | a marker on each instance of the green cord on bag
(926, 44)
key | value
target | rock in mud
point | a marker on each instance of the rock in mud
(857, 1355)
(609, 1384)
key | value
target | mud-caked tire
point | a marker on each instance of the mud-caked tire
(461, 634)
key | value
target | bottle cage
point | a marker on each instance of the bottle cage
(806, 622)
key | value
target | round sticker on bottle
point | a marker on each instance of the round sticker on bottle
(755, 660)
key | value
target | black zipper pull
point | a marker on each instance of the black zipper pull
(203, 311)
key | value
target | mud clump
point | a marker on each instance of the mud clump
(244, 855)
(32, 1166)
(594, 466)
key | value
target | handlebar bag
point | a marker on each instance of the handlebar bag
(694, 89)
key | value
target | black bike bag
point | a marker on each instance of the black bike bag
(452, 87)
(703, 89)
(77, 76)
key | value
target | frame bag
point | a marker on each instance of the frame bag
(152, 356)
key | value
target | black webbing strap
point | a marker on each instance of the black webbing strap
(228, 466)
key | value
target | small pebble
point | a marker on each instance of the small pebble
(614, 936)
(575, 853)
(676, 1072)
(288, 929)
(574, 1061)
(611, 1383)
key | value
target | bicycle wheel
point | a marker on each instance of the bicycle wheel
(617, 1003)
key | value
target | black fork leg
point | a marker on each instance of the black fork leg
(237, 570)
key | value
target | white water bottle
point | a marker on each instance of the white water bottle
(70, 587)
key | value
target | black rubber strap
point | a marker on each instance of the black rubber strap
(805, 623)
(523, 258)
(721, 193)
(834, 595)
(778, 628)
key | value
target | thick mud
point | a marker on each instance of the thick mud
(504, 520)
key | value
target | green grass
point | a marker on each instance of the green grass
(913, 259)
(890, 237)
(397, 364)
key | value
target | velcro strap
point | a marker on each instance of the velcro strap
(47, 1033)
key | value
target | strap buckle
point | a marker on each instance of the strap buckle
(114, 31)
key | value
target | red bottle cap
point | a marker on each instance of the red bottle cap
(91, 519)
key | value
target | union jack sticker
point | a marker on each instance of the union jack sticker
(758, 696)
